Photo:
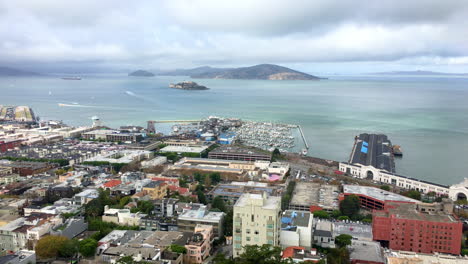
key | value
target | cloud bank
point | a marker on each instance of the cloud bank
(121, 35)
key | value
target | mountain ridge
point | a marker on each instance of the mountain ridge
(256, 72)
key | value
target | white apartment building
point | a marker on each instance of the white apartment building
(256, 221)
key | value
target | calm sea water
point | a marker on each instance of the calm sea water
(427, 116)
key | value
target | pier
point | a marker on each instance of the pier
(303, 137)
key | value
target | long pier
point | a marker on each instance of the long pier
(303, 137)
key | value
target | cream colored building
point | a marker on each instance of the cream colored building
(256, 221)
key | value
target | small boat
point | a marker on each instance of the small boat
(304, 152)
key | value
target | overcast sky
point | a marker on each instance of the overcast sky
(319, 36)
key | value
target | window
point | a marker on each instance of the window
(247, 238)
(253, 218)
(247, 231)
(256, 232)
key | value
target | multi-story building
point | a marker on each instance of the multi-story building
(296, 229)
(372, 197)
(199, 246)
(425, 228)
(230, 192)
(112, 135)
(122, 216)
(199, 214)
(85, 196)
(155, 189)
(256, 221)
(238, 153)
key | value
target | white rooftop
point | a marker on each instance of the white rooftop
(376, 193)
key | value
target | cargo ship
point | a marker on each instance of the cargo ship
(71, 78)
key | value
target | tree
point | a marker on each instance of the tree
(218, 203)
(178, 249)
(198, 177)
(385, 188)
(145, 207)
(350, 206)
(60, 172)
(215, 177)
(49, 246)
(343, 240)
(335, 213)
(201, 197)
(413, 194)
(321, 214)
(338, 256)
(228, 219)
(220, 258)
(69, 248)
(265, 254)
(88, 247)
(343, 218)
(124, 201)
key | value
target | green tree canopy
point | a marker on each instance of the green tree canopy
(69, 248)
(412, 194)
(88, 247)
(343, 240)
(49, 246)
(385, 187)
(321, 214)
(178, 249)
(218, 203)
(350, 206)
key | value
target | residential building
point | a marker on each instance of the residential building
(155, 189)
(163, 223)
(122, 216)
(20, 257)
(296, 229)
(256, 221)
(156, 161)
(323, 234)
(301, 255)
(424, 228)
(85, 196)
(199, 214)
(200, 244)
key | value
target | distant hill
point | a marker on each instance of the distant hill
(257, 72)
(141, 73)
(194, 71)
(5, 71)
(418, 73)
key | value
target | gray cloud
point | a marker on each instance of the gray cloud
(182, 33)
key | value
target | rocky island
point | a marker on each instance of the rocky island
(141, 73)
(188, 85)
(257, 72)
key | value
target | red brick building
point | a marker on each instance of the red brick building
(426, 228)
(373, 198)
(6, 145)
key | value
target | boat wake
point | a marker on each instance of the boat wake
(131, 93)
(73, 105)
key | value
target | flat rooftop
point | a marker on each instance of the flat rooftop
(270, 203)
(184, 149)
(312, 193)
(409, 211)
(239, 150)
(356, 230)
(373, 150)
(291, 219)
(367, 251)
(238, 190)
(376, 193)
